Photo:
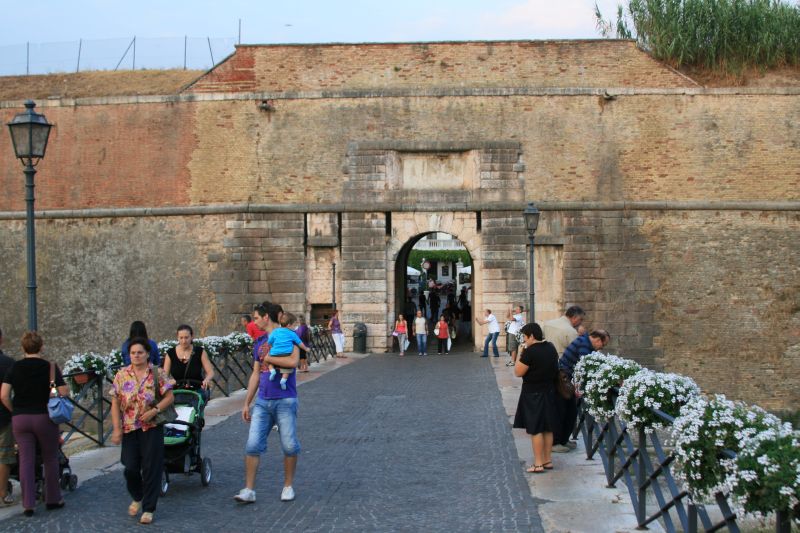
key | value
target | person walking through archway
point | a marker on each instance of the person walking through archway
(421, 333)
(442, 333)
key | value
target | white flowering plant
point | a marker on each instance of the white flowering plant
(705, 428)
(239, 341)
(766, 474)
(214, 345)
(611, 373)
(585, 367)
(165, 346)
(647, 390)
(83, 363)
(89, 362)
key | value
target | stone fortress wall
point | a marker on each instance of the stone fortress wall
(670, 212)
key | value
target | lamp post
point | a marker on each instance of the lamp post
(531, 215)
(29, 133)
(334, 286)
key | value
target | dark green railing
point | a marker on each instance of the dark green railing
(644, 466)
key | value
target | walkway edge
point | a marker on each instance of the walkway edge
(574, 497)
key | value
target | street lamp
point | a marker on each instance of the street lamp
(334, 286)
(531, 215)
(29, 133)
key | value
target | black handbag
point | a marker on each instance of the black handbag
(166, 415)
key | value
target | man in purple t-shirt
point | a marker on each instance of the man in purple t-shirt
(273, 405)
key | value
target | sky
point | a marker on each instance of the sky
(54, 27)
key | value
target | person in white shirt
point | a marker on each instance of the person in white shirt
(516, 321)
(494, 332)
(421, 332)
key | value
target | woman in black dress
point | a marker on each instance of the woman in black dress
(188, 364)
(536, 411)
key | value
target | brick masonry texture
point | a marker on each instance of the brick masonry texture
(574, 148)
(477, 64)
(709, 293)
(378, 455)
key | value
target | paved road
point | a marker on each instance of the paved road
(389, 444)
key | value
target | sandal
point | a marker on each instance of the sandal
(134, 508)
(536, 469)
(548, 465)
(147, 518)
(7, 500)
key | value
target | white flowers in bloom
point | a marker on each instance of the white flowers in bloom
(647, 390)
(85, 362)
(585, 367)
(213, 345)
(766, 473)
(706, 427)
(597, 376)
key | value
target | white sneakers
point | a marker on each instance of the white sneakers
(249, 496)
(246, 496)
(287, 494)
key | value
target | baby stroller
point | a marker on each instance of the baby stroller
(182, 437)
(66, 479)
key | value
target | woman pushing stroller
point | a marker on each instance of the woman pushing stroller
(188, 364)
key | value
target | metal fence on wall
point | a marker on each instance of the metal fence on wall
(114, 54)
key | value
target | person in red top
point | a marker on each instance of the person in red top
(251, 328)
(442, 334)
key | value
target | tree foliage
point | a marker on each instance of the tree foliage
(728, 35)
(447, 256)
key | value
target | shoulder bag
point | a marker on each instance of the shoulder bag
(564, 386)
(166, 415)
(59, 408)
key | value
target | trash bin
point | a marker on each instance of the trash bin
(360, 337)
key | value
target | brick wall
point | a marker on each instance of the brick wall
(642, 147)
(106, 156)
(601, 63)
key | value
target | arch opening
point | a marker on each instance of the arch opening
(434, 273)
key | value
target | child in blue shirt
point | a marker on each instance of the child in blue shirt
(282, 341)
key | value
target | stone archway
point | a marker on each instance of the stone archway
(410, 227)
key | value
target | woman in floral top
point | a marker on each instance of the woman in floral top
(133, 406)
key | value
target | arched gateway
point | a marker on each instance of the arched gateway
(460, 188)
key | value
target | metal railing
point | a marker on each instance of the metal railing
(231, 372)
(321, 344)
(93, 407)
(643, 463)
(125, 53)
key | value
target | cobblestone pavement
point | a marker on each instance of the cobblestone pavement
(389, 444)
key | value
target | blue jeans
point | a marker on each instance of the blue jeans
(493, 338)
(422, 343)
(266, 413)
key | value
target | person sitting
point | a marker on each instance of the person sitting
(188, 364)
(139, 331)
